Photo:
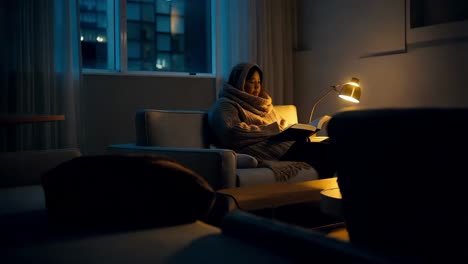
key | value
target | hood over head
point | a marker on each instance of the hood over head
(239, 73)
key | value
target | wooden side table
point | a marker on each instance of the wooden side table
(16, 119)
(295, 203)
(9, 122)
(330, 202)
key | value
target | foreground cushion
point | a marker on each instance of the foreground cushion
(125, 191)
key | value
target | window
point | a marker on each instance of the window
(161, 35)
(97, 34)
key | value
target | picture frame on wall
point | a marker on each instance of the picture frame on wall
(430, 21)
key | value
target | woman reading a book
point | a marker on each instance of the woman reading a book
(244, 120)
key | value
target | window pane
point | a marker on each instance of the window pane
(133, 31)
(101, 5)
(133, 11)
(178, 7)
(147, 14)
(178, 62)
(163, 62)
(134, 65)
(147, 32)
(177, 25)
(164, 42)
(163, 7)
(101, 20)
(163, 24)
(172, 38)
(133, 50)
(178, 43)
(97, 40)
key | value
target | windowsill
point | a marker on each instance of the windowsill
(149, 74)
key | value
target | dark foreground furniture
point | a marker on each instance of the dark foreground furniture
(402, 175)
(31, 234)
(107, 191)
(28, 237)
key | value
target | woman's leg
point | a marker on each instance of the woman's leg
(316, 154)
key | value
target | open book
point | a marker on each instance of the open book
(302, 131)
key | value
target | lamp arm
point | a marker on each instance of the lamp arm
(333, 88)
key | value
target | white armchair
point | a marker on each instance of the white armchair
(185, 136)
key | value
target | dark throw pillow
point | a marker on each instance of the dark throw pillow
(125, 191)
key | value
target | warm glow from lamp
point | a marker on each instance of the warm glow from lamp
(350, 91)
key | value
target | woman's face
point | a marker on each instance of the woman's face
(253, 85)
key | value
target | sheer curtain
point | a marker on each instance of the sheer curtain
(260, 31)
(41, 72)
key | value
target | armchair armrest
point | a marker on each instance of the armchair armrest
(217, 166)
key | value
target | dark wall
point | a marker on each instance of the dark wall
(369, 39)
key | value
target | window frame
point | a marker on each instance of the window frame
(117, 24)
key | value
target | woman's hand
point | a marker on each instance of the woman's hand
(283, 124)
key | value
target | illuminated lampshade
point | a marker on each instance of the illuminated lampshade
(350, 91)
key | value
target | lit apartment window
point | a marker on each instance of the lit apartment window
(162, 35)
(97, 34)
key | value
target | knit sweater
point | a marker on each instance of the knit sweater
(245, 122)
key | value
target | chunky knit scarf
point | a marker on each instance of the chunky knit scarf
(244, 122)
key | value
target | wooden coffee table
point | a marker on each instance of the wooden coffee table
(268, 196)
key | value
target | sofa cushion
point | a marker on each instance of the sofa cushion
(172, 128)
(130, 191)
(289, 112)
